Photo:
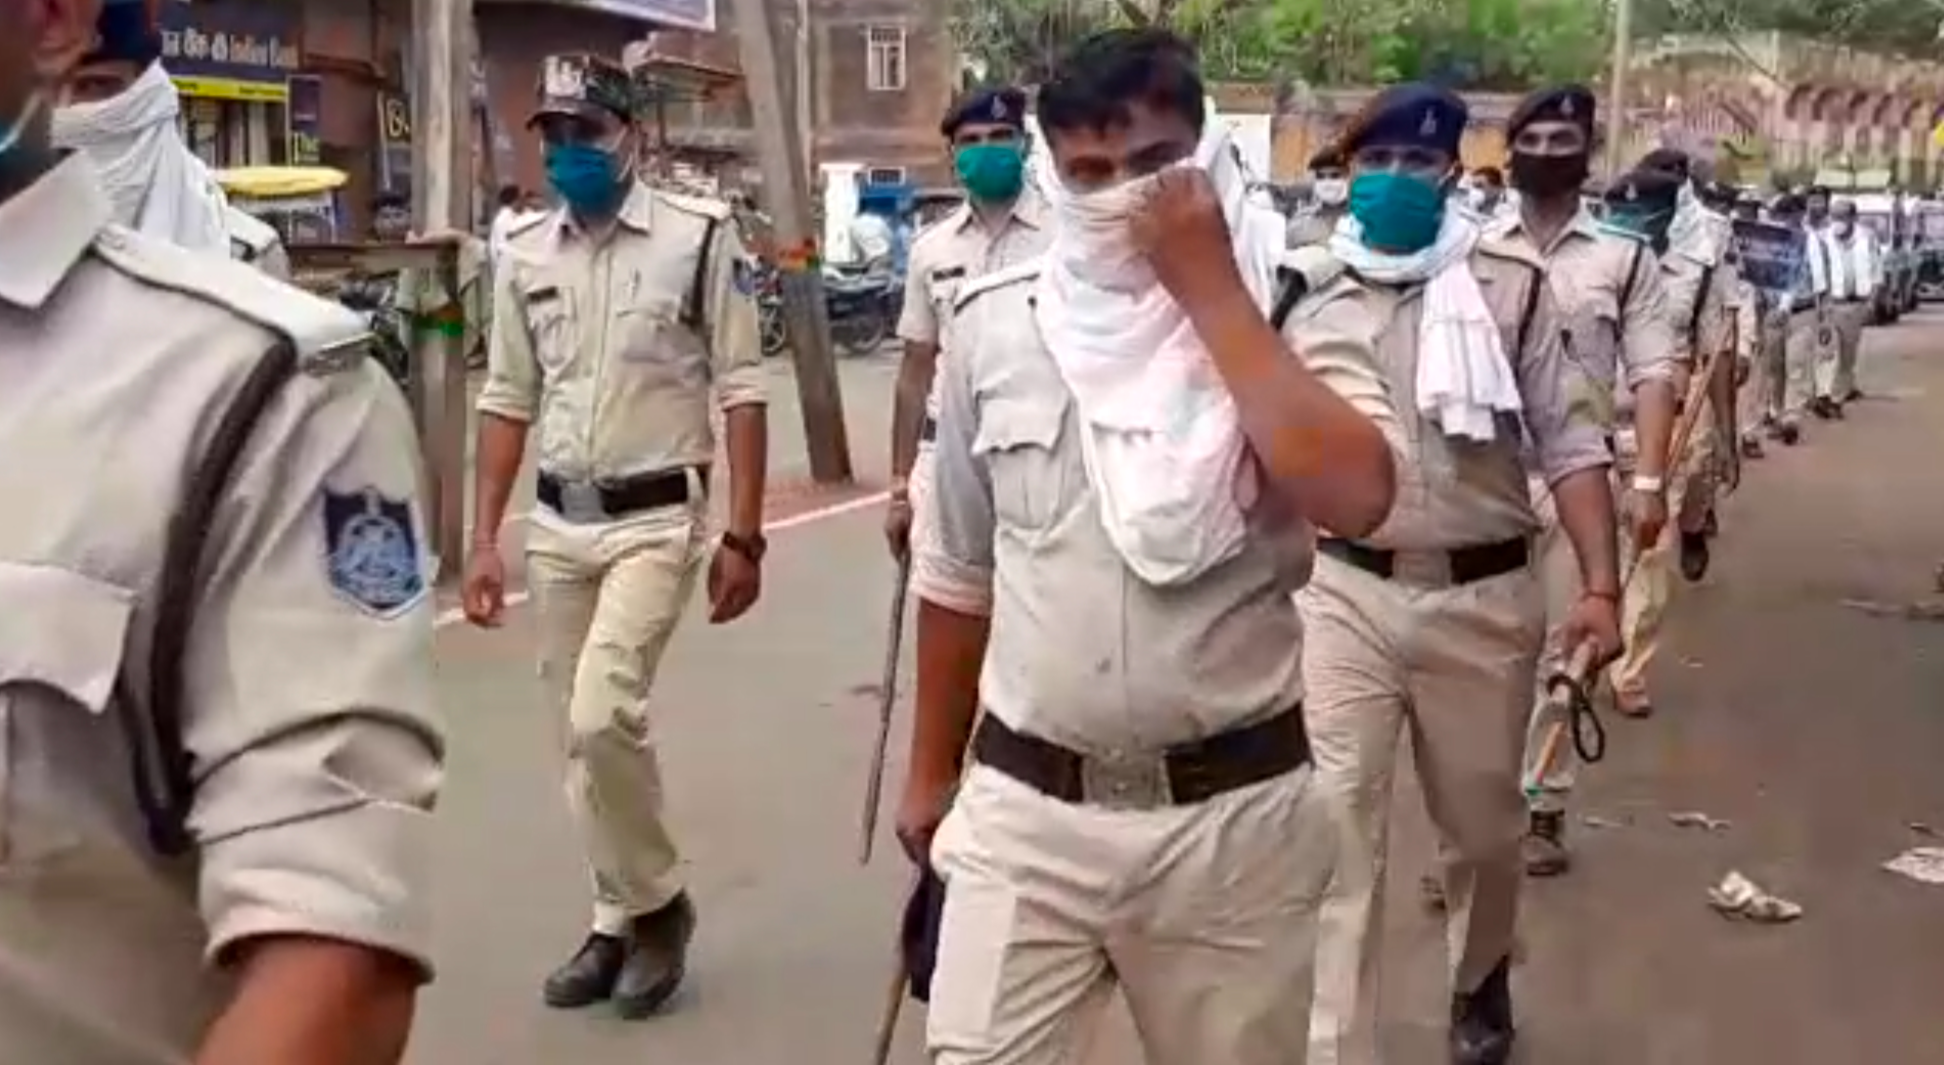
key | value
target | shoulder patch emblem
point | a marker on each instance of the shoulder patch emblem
(372, 551)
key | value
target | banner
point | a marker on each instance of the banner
(304, 122)
(1771, 255)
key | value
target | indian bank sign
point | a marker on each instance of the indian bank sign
(229, 53)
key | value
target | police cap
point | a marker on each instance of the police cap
(995, 105)
(1645, 191)
(1414, 115)
(127, 31)
(583, 85)
(1667, 161)
(1561, 103)
(1328, 158)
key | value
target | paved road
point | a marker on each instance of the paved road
(1816, 729)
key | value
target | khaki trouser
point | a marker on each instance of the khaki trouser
(608, 597)
(1456, 666)
(1836, 371)
(1559, 572)
(1652, 575)
(1810, 335)
(1203, 915)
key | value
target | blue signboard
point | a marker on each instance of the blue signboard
(1771, 255)
(229, 52)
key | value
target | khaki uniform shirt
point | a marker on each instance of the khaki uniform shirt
(1708, 330)
(1607, 289)
(958, 249)
(1451, 493)
(592, 339)
(1313, 227)
(308, 673)
(1084, 653)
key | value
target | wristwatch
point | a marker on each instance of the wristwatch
(1649, 485)
(751, 547)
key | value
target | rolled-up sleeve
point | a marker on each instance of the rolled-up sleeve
(1568, 431)
(1648, 351)
(512, 389)
(309, 682)
(953, 566)
(735, 327)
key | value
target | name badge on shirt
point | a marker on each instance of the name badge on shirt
(948, 273)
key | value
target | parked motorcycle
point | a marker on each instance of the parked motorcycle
(862, 303)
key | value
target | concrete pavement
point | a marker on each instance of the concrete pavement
(1814, 728)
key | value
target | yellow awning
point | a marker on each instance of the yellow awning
(273, 182)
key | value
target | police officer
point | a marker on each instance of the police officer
(1329, 194)
(1138, 811)
(1002, 223)
(120, 108)
(1646, 201)
(216, 646)
(1803, 312)
(1608, 291)
(1437, 618)
(614, 315)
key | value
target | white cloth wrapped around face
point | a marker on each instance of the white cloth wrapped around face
(1464, 381)
(1161, 439)
(158, 187)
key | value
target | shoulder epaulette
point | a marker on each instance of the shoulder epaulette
(1500, 249)
(997, 279)
(714, 210)
(328, 338)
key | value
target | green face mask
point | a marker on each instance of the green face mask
(991, 171)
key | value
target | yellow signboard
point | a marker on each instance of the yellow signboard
(266, 92)
(1937, 134)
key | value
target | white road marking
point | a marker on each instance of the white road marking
(457, 616)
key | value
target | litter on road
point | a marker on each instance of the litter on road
(1739, 897)
(1922, 864)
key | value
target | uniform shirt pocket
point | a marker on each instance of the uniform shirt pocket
(657, 344)
(549, 319)
(1018, 438)
(62, 638)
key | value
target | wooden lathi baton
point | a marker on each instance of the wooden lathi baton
(1577, 692)
(887, 702)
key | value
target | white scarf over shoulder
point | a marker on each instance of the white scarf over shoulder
(157, 186)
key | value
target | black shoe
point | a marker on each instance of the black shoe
(657, 960)
(1481, 1022)
(1852, 395)
(1789, 434)
(1544, 846)
(1823, 407)
(1694, 556)
(589, 976)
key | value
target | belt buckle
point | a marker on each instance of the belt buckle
(1422, 569)
(580, 502)
(1125, 782)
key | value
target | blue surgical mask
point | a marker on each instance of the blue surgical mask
(1399, 212)
(589, 179)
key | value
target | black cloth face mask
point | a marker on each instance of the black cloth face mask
(1548, 175)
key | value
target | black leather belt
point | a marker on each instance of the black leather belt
(1467, 564)
(928, 430)
(1181, 776)
(583, 501)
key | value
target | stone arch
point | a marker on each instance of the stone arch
(1796, 108)
(1880, 110)
(1824, 102)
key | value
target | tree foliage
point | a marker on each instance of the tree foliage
(1498, 44)
(1902, 27)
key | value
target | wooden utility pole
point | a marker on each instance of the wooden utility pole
(786, 193)
(1617, 95)
(442, 184)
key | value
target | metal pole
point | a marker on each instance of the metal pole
(1617, 97)
(786, 187)
(442, 179)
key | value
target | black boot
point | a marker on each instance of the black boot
(589, 976)
(1694, 555)
(1481, 1022)
(657, 959)
(1544, 846)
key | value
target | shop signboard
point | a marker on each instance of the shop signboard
(665, 14)
(232, 52)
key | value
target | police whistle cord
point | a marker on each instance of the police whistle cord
(887, 702)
